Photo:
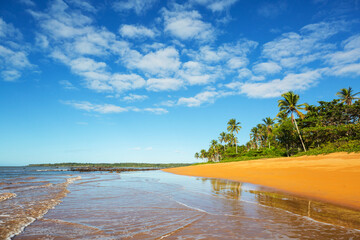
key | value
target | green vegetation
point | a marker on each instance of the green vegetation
(326, 128)
(115, 165)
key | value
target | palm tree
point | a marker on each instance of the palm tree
(269, 122)
(222, 138)
(281, 117)
(229, 138)
(202, 154)
(213, 143)
(289, 105)
(197, 155)
(347, 95)
(255, 134)
(234, 126)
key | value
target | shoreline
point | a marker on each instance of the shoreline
(331, 178)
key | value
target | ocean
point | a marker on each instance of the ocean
(54, 203)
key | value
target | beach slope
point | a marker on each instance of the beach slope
(333, 178)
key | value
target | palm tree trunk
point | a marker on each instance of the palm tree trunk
(299, 133)
(236, 146)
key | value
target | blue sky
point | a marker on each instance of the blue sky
(155, 81)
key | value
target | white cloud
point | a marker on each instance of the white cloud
(10, 75)
(274, 88)
(156, 110)
(163, 84)
(97, 108)
(134, 97)
(346, 70)
(133, 31)
(163, 62)
(82, 4)
(350, 54)
(203, 97)
(266, 68)
(67, 84)
(123, 82)
(138, 6)
(215, 5)
(196, 73)
(28, 3)
(293, 50)
(237, 62)
(187, 25)
(14, 59)
(87, 65)
(9, 31)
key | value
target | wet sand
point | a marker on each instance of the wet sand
(332, 178)
(160, 205)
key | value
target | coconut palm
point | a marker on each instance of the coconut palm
(197, 155)
(229, 138)
(202, 154)
(288, 105)
(234, 126)
(269, 122)
(347, 95)
(222, 138)
(281, 117)
(213, 143)
(255, 135)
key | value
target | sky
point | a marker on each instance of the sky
(155, 81)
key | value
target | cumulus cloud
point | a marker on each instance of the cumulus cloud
(162, 62)
(293, 50)
(138, 6)
(134, 98)
(10, 75)
(110, 108)
(276, 87)
(123, 82)
(266, 68)
(203, 97)
(134, 31)
(349, 54)
(215, 5)
(13, 56)
(97, 108)
(163, 84)
(187, 25)
(67, 84)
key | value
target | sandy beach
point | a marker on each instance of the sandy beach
(332, 178)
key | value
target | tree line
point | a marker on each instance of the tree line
(297, 129)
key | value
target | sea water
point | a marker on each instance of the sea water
(49, 203)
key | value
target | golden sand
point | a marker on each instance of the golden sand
(333, 178)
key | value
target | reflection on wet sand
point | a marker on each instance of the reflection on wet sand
(324, 212)
(159, 205)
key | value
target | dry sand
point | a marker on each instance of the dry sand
(333, 178)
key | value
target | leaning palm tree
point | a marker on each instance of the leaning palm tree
(269, 122)
(222, 138)
(289, 105)
(234, 126)
(347, 95)
(197, 155)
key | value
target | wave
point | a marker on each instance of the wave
(37, 201)
(6, 196)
